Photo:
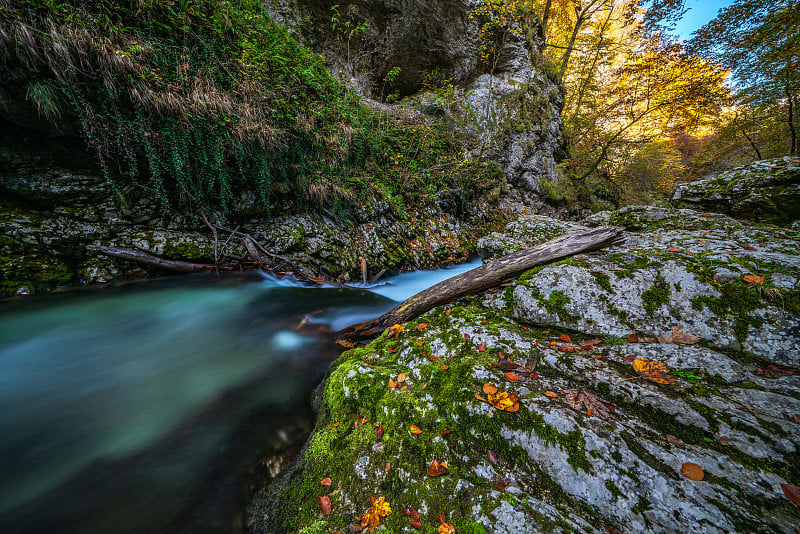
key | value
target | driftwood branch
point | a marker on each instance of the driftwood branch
(149, 259)
(484, 277)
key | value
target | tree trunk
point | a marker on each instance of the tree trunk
(149, 259)
(792, 130)
(482, 278)
(545, 17)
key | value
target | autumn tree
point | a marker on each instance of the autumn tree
(759, 42)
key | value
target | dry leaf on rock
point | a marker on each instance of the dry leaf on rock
(753, 279)
(437, 469)
(491, 456)
(595, 405)
(692, 471)
(676, 441)
(632, 338)
(653, 370)
(792, 492)
(551, 394)
(796, 418)
(678, 337)
(502, 400)
(395, 330)
(565, 338)
(674, 249)
(511, 377)
(482, 347)
(629, 358)
(444, 526)
(775, 369)
(324, 504)
(568, 348)
(587, 345)
(612, 530)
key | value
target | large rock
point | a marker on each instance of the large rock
(388, 410)
(556, 468)
(678, 268)
(512, 109)
(767, 191)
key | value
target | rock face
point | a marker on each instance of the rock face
(767, 191)
(511, 108)
(54, 202)
(553, 465)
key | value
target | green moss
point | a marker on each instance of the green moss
(615, 491)
(603, 280)
(555, 305)
(642, 505)
(655, 297)
(738, 299)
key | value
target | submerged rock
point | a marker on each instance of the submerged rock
(547, 466)
(767, 191)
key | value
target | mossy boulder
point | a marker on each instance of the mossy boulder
(678, 268)
(551, 468)
(766, 191)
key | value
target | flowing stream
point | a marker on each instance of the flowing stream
(158, 406)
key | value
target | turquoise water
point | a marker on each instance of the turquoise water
(149, 408)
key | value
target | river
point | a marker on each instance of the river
(160, 406)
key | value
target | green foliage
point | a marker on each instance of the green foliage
(655, 297)
(199, 100)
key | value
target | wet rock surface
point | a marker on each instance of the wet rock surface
(767, 191)
(549, 466)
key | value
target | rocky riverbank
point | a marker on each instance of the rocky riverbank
(539, 407)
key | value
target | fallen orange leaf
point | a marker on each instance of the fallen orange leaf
(422, 326)
(337, 423)
(392, 383)
(401, 378)
(436, 469)
(395, 330)
(565, 338)
(415, 429)
(692, 471)
(674, 249)
(444, 367)
(753, 279)
(792, 492)
(326, 481)
(392, 351)
(551, 394)
(511, 377)
(632, 338)
(420, 343)
(324, 504)
(489, 388)
(482, 347)
(653, 370)
(445, 432)
(403, 388)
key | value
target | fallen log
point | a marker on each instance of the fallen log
(482, 278)
(149, 259)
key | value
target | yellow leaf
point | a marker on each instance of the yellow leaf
(415, 429)
(653, 370)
